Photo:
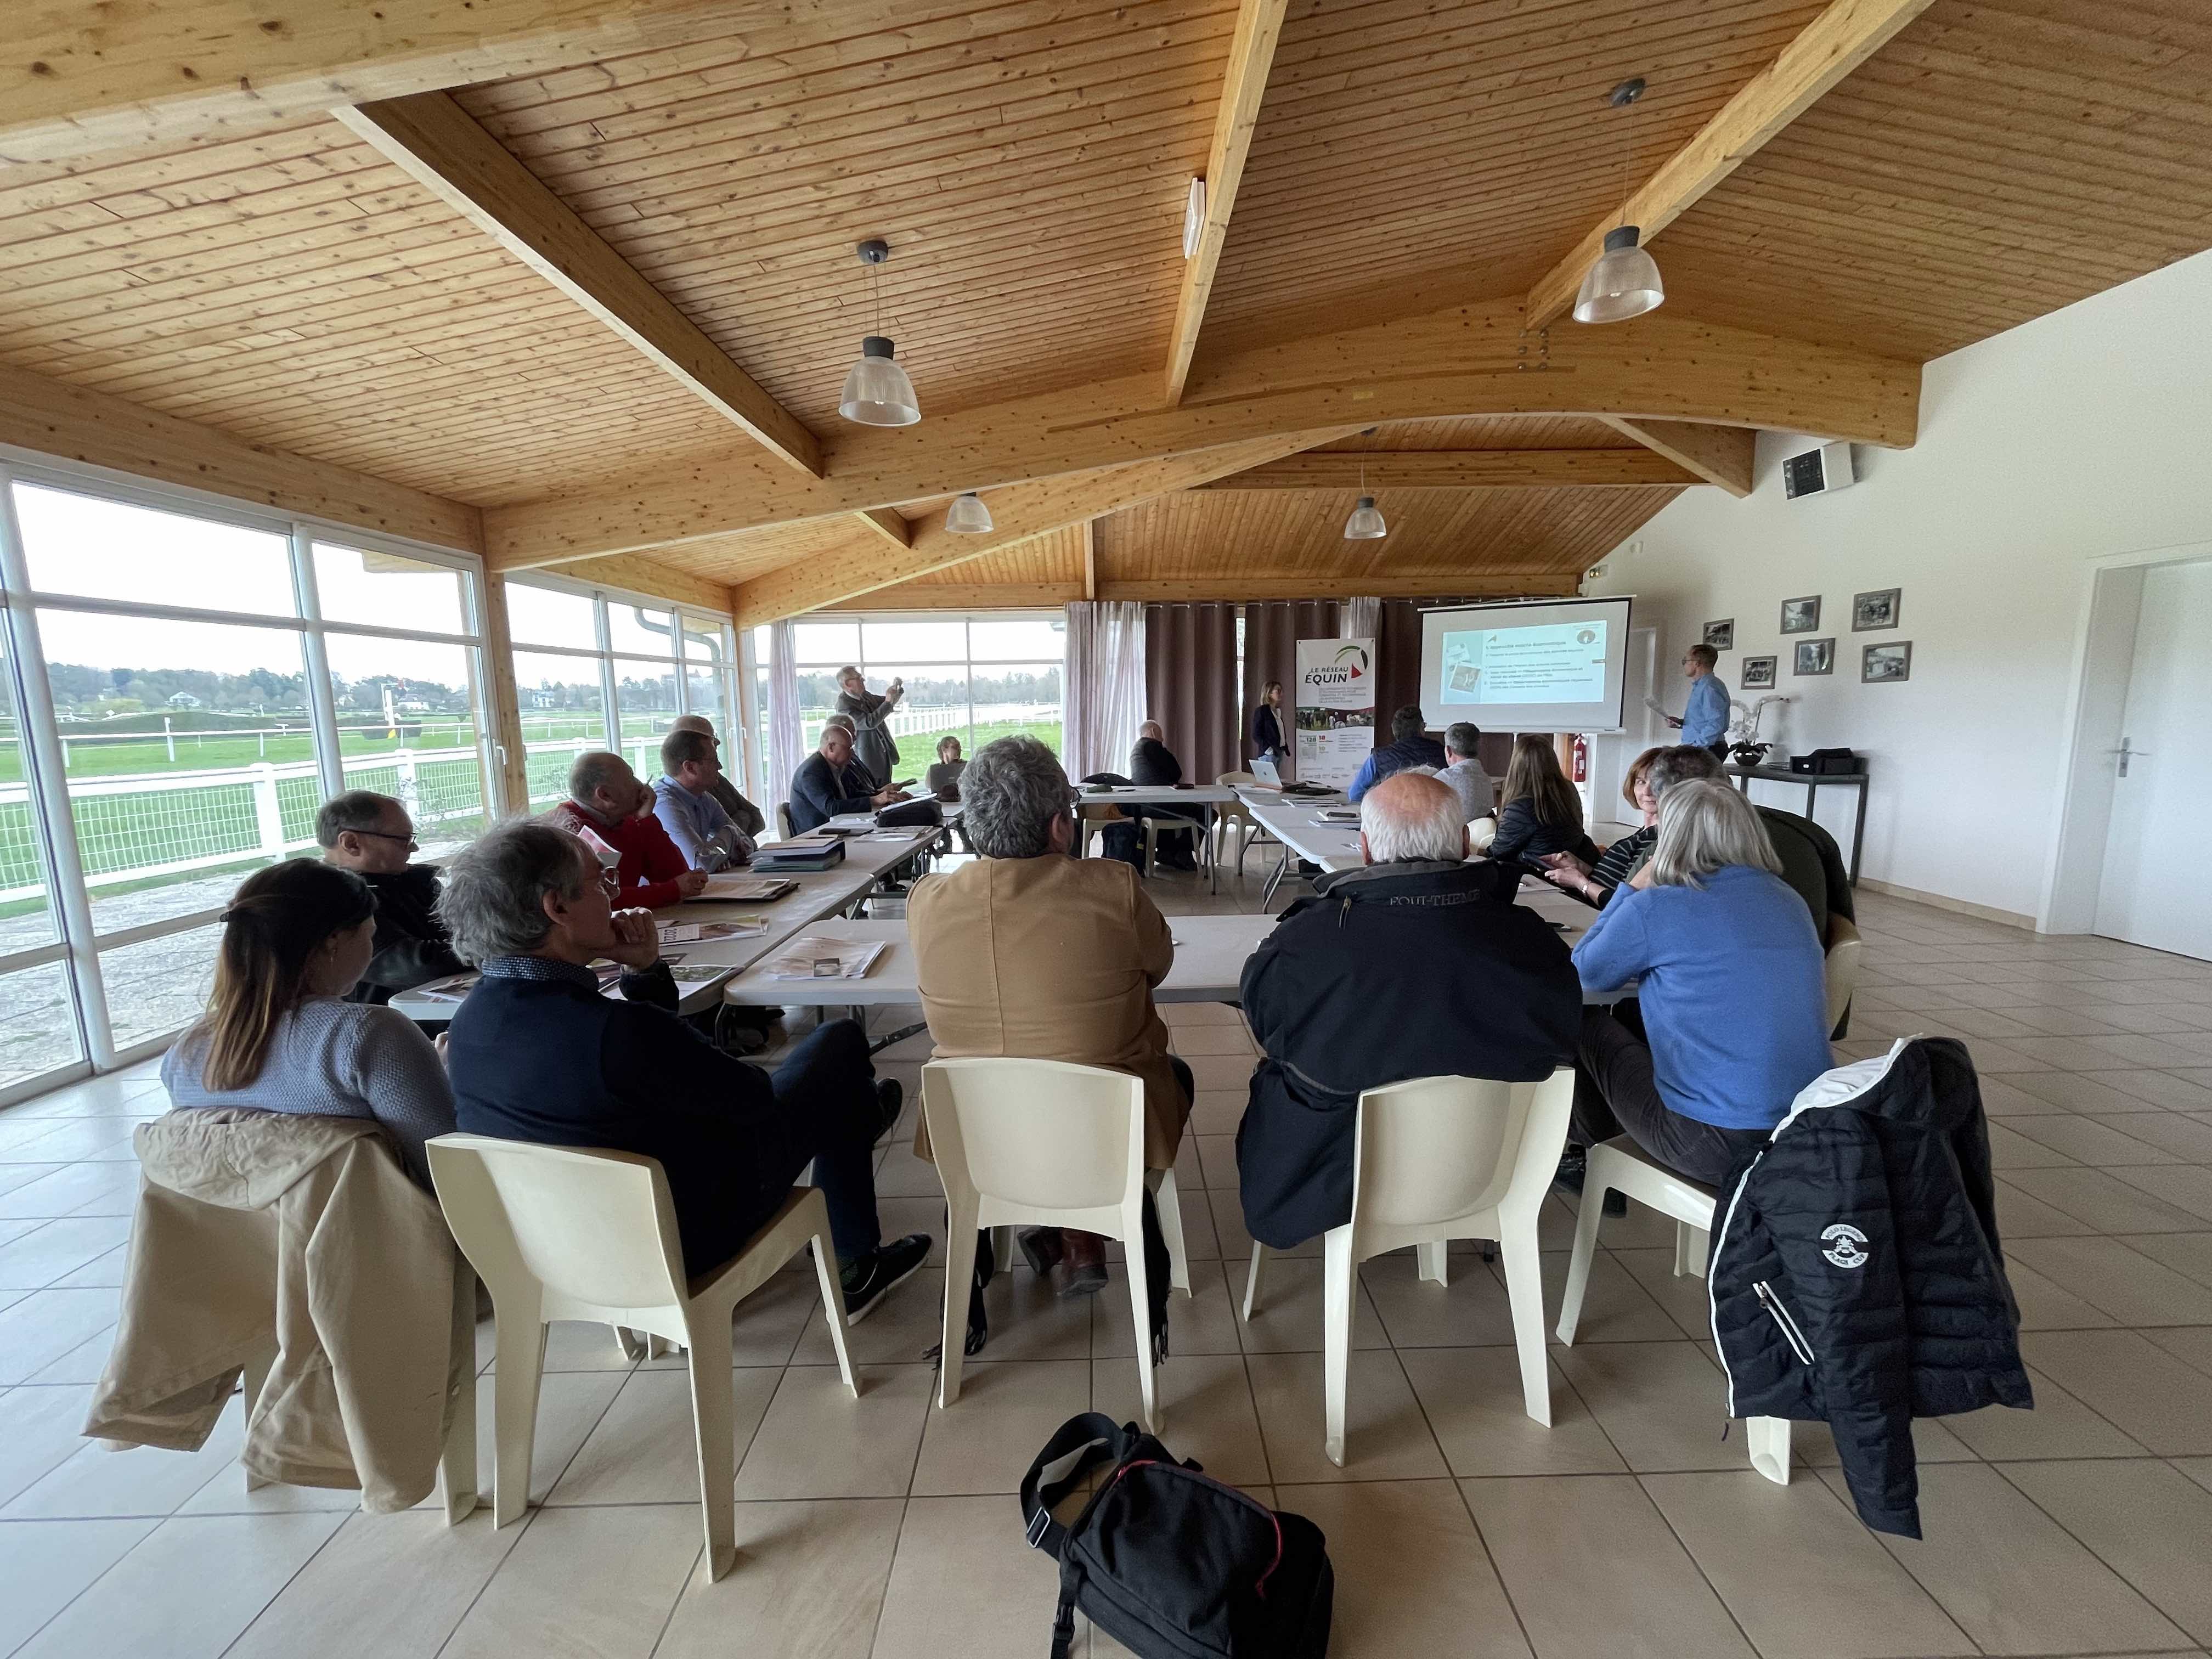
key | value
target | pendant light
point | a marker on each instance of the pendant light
(877, 390)
(1624, 282)
(1365, 523)
(968, 516)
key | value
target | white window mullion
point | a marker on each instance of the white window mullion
(322, 701)
(611, 716)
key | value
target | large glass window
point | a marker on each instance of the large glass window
(973, 677)
(178, 742)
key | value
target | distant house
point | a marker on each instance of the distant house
(183, 700)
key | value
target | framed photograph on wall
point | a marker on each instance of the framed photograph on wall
(1815, 657)
(1802, 616)
(1758, 674)
(1881, 664)
(1880, 608)
(1720, 636)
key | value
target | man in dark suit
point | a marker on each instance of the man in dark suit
(829, 783)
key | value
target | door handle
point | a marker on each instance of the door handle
(2127, 751)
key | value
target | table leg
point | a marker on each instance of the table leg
(1858, 833)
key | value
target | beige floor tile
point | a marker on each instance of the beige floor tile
(2011, 1577)
(49, 1250)
(2162, 1088)
(1556, 1538)
(2101, 1201)
(2119, 1280)
(1663, 1404)
(1812, 1446)
(643, 1450)
(2136, 1386)
(1684, 1298)
(1474, 1402)
(1222, 1072)
(569, 1406)
(2003, 1098)
(2059, 1426)
(2076, 1092)
(2174, 1132)
(1217, 1111)
(1615, 1307)
(1289, 1317)
(1800, 1574)
(85, 1364)
(1387, 1437)
(87, 1188)
(44, 1325)
(963, 1583)
(983, 1441)
(1470, 1311)
(144, 1480)
(2192, 1344)
(2148, 1523)
(818, 1440)
(1217, 1157)
(594, 1583)
(1203, 1323)
(902, 1175)
(2190, 1253)
(106, 1272)
(2043, 1304)
(385, 1586)
(1183, 1014)
(1207, 1412)
(2189, 1186)
(2020, 1216)
(2009, 1150)
(2090, 1140)
(1235, 1243)
(808, 1584)
(187, 1590)
(1412, 1574)
(1212, 1038)
(39, 1431)
(45, 1565)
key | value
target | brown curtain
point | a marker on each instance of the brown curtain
(1190, 682)
(1271, 632)
(1398, 645)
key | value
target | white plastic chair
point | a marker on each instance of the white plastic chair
(1151, 829)
(1619, 1165)
(1435, 1160)
(1041, 1143)
(1238, 817)
(1844, 949)
(556, 1232)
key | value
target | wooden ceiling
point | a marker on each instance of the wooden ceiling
(223, 249)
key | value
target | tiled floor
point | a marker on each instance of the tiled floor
(883, 1526)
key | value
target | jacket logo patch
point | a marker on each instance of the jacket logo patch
(1844, 1243)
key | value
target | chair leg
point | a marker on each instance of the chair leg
(833, 1299)
(456, 1460)
(959, 1274)
(255, 1379)
(714, 1424)
(1252, 1280)
(516, 1374)
(1691, 1244)
(1578, 1265)
(632, 1345)
(1429, 1262)
(1133, 1253)
(1524, 1289)
(1337, 1270)
(1166, 1200)
(1770, 1447)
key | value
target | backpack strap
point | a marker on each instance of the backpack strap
(1082, 1442)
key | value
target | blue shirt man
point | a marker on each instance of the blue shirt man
(684, 801)
(1704, 720)
(1409, 745)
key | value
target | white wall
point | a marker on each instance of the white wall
(2081, 435)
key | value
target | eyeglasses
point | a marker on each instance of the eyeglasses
(386, 835)
(610, 883)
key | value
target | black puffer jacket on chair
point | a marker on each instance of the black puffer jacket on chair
(1855, 1275)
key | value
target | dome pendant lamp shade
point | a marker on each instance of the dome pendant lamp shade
(1365, 523)
(968, 516)
(1623, 282)
(877, 390)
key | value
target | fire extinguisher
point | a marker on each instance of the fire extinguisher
(1581, 758)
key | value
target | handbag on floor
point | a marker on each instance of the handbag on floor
(1170, 1562)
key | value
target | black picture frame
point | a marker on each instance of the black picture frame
(1815, 657)
(1802, 616)
(1756, 674)
(1720, 636)
(1877, 608)
(1891, 657)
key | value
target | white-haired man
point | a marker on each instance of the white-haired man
(871, 718)
(1416, 964)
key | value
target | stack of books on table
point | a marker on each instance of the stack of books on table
(783, 856)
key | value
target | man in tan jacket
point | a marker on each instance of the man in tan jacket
(1032, 953)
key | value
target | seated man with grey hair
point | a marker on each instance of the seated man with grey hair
(1029, 952)
(538, 1054)
(1462, 772)
(610, 811)
(372, 836)
(1416, 964)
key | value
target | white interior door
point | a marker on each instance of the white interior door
(2153, 890)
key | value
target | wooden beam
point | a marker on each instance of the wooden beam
(54, 418)
(964, 596)
(433, 138)
(1233, 587)
(506, 711)
(1019, 512)
(1471, 360)
(1090, 558)
(1719, 455)
(655, 581)
(1463, 469)
(1827, 49)
(889, 523)
(76, 77)
(1251, 54)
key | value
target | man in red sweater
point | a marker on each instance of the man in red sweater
(608, 803)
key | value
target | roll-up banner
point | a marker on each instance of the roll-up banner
(1336, 709)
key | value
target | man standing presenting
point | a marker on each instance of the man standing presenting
(684, 801)
(1705, 717)
(371, 834)
(872, 722)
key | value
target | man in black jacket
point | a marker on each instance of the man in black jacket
(1153, 765)
(371, 834)
(538, 1054)
(829, 783)
(1417, 965)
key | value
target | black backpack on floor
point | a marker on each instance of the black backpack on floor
(1170, 1562)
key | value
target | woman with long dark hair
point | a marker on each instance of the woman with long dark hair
(1538, 812)
(276, 1036)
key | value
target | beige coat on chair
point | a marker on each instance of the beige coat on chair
(1049, 958)
(262, 1234)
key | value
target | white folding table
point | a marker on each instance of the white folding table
(1150, 794)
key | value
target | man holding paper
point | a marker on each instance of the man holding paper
(1705, 717)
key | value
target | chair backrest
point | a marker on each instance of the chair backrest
(783, 820)
(1228, 778)
(1844, 949)
(594, 1227)
(1037, 1132)
(1437, 1147)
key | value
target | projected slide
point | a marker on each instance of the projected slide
(1536, 663)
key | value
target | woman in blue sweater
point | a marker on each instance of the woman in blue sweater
(1730, 976)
